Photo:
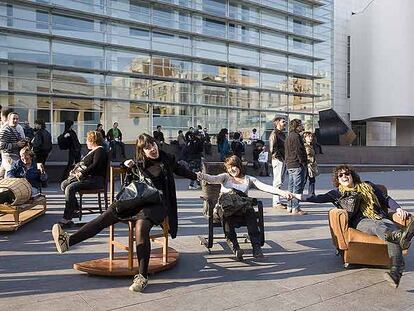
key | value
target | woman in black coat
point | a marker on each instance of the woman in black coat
(160, 168)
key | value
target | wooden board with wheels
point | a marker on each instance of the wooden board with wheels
(119, 265)
(13, 217)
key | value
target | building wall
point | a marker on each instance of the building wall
(382, 65)
(218, 63)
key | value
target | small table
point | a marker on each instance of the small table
(163, 258)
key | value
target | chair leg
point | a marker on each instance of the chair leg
(111, 246)
(165, 248)
(99, 203)
(105, 194)
(80, 207)
(131, 245)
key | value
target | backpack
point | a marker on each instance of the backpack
(63, 142)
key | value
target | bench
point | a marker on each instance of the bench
(13, 217)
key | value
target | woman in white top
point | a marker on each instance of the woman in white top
(235, 179)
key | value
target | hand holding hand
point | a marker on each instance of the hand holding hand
(402, 213)
(129, 163)
(200, 176)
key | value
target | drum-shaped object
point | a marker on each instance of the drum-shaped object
(21, 188)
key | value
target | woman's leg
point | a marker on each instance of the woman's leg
(311, 185)
(142, 239)
(93, 227)
(252, 227)
(230, 232)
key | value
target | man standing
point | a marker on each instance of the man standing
(42, 142)
(159, 136)
(68, 140)
(11, 141)
(295, 159)
(114, 137)
(277, 149)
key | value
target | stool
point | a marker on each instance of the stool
(131, 239)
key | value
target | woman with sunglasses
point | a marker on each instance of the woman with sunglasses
(371, 216)
(160, 167)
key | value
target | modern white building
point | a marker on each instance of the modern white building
(373, 66)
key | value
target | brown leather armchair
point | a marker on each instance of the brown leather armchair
(357, 247)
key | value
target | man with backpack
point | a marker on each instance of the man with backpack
(277, 149)
(68, 140)
(41, 142)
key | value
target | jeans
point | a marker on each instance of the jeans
(378, 228)
(70, 189)
(279, 171)
(296, 184)
(195, 166)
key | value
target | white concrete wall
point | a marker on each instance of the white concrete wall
(382, 64)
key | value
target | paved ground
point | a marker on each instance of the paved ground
(300, 272)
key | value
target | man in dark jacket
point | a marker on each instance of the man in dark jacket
(295, 160)
(277, 149)
(71, 141)
(42, 142)
(193, 153)
(114, 137)
(159, 136)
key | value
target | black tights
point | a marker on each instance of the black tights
(142, 231)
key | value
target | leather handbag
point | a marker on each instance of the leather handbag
(139, 193)
(349, 201)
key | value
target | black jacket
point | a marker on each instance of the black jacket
(110, 135)
(295, 153)
(42, 142)
(96, 163)
(171, 167)
(277, 144)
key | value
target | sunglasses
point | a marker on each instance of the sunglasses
(340, 175)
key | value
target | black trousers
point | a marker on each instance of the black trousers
(142, 236)
(235, 221)
(74, 157)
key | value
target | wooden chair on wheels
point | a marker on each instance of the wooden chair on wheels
(210, 197)
(98, 191)
(357, 247)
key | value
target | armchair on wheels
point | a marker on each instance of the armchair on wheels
(210, 197)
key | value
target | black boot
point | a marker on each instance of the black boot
(257, 251)
(235, 247)
(401, 237)
(394, 276)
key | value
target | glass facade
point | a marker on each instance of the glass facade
(176, 63)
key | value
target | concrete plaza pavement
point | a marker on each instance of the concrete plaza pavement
(300, 271)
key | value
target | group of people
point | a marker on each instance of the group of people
(24, 151)
(160, 167)
(293, 154)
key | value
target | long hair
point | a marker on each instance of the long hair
(144, 140)
(294, 124)
(234, 161)
(346, 168)
(41, 123)
(222, 135)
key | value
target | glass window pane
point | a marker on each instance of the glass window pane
(124, 61)
(210, 95)
(15, 47)
(274, 61)
(213, 118)
(173, 92)
(217, 7)
(16, 77)
(94, 6)
(243, 34)
(71, 26)
(169, 67)
(273, 40)
(171, 118)
(273, 81)
(300, 85)
(210, 49)
(243, 120)
(273, 101)
(171, 43)
(78, 55)
(79, 83)
(301, 103)
(26, 18)
(299, 65)
(274, 20)
(130, 9)
(127, 87)
(129, 36)
(243, 55)
(206, 72)
(301, 46)
(244, 12)
(244, 98)
(243, 77)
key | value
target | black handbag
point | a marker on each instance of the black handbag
(139, 193)
(350, 201)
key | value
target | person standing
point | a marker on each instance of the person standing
(99, 128)
(41, 142)
(159, 136)
(68, 140)
(223, 145)
(277, 149)
(296, 163)
(207, 142)
(28, 130)
(237, 146)
(114, 137)
(312, 167)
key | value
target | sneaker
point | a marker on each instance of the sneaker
(192, 187)
(61, 238)
(393, 277)
(407, 235)
(139, 283)
(236, 250)
(257, 252)
(280, 206)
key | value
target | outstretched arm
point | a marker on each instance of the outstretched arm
(212, 179)
(329, 197)
(270, 189)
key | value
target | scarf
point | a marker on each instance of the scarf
(369, 200)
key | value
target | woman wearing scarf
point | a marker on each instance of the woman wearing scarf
(372, 215)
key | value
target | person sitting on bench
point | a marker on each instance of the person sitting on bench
(235, 180)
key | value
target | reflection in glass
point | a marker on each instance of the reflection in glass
(130, 9)
(79, 83)
(210, 95)
(244, 98)
(300, 85)
(129, 36)
(172, 92)
(269, 100)
(77, 55)
(124, 61)
(169, 67)
(83, 28)
(301, 103)
(127, 87)
(212, 73)
(25, 48)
